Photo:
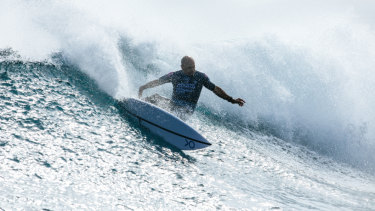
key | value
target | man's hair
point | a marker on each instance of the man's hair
(186, 59)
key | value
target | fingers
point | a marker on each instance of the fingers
(240, 102)
(239, 99)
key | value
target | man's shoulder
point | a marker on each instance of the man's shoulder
(201, 75)
(176, 73)
(170, 74)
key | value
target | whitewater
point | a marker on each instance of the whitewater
(305, 140)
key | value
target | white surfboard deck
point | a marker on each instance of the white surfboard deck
(164, 124)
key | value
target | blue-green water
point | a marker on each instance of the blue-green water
(303, 141)
(63, 146)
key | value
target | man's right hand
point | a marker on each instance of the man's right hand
(149, 85)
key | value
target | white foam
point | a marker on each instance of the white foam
(306, 67)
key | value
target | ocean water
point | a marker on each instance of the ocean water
(305, 139)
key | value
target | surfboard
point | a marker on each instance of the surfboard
(164, 124)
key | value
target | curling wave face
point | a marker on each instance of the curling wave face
(307, 82)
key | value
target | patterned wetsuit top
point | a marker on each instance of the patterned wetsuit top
(187, 89)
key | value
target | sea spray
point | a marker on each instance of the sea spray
(306, 74)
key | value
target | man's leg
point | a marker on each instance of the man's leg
(182, 112)
(158, 100)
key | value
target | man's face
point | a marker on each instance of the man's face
(188, 67)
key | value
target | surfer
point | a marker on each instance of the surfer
(187, 87)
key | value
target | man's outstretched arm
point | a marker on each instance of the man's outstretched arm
(150, 84)
(219, 92)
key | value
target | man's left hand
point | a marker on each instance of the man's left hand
(239, 101)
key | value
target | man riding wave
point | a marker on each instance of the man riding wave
(187, 86)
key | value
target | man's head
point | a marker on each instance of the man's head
(188, 65)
